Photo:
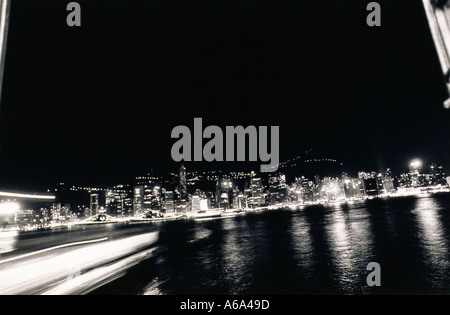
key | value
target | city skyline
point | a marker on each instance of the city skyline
(189, 183)
(296, 167)
(214, 193)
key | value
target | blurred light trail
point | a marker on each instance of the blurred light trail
(65, 270)
(98, 277)
(52, 248)
(26, 196)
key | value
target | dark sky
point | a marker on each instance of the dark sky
(96, 104)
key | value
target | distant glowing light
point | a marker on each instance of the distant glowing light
(7, 208)
(26, 196)
(416, 163)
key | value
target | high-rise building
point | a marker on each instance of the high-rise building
(156, 197)
(138, 200)
(305, 189)
(277, 188)
(147, 201)
(436, 175)
(151, 197)
(128, 205)
(182, 182)
(332, 189)
(388, 182)
(115, 201)
(257, 197)
(225, 193)
(93, 204)
(416, 177)
(58, 213)
(169, 202)
(371, 183)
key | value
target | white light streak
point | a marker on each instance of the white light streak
(52, 248)
(26, 196)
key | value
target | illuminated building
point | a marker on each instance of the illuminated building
(353, 187)
(147, 198)
(332, 189)
(128, 205)
(225, 193)
(169, 202)
(277, 188)
(181, 206)
(371, 183)
(182, 183)
(436, 175)
(257, 197)
(156, 198)
(147, 180)
(44, 218)
(93, 204)
(294, 194)
(241, 201)
(115, 201)
(210, 199)
(305, 189)
(59, 214)
(416, 178)
(138, 200)
(388, 182)
(147, 193)
(25, 219)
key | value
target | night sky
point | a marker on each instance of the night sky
(95, 105)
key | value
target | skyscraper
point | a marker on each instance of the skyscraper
(169, 203)
(388, 182)
(93, 204)
(224, 192)
(257, 198)
(182, 183)
(115, 201)
(138, 200)
(277, 188)
(371, 183)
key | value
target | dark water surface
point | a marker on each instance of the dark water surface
(316, 250)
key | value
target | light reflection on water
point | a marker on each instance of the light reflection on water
(236, 261)
(433, 241)
(351, 245)
(326, 249)
(302, 243)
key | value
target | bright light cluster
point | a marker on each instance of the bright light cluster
(9, 207)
